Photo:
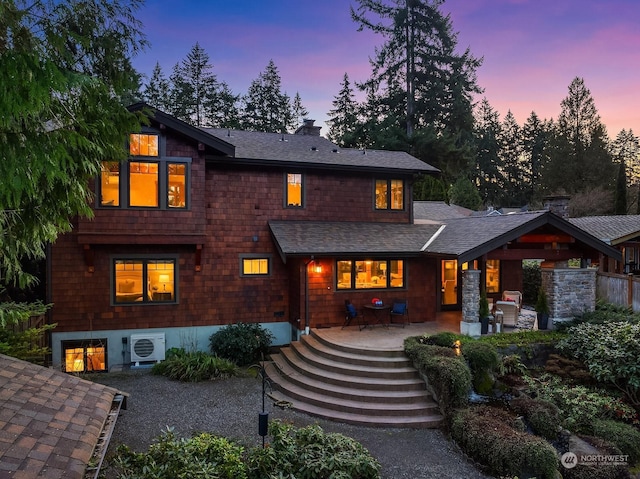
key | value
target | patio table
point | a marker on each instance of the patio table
(378, 312)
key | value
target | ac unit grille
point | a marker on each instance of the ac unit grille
(143, 347)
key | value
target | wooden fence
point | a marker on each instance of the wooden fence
(620, 289)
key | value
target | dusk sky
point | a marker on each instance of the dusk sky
(532, 49)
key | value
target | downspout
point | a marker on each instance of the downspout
(306, 294)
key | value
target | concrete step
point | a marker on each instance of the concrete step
(384, 352)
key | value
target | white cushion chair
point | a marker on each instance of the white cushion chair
(509, 312)
(515, 296)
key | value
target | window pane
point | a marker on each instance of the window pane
(176, 197)
(96, 360)
(74, 360)
(110, 184)
(397, 195)
(493, 276)
(143, 184)
(255, 266)
(161, 280)
(343, 269)
(397, 273)
(294, 189)
(378, 274)
(128, 281)
(143, 145)
(381, 195)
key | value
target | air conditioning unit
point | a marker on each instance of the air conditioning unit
(147, 347)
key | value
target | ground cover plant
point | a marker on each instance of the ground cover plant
(300, 453)
(194, 366)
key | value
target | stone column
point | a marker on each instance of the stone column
(470, 295)
(570, 291)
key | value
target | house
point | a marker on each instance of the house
(202, 228)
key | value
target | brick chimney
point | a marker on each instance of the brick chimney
(557, 204)
(308, 128)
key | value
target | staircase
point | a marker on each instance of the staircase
(371, 387)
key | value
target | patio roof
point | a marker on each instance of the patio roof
(50, 422)
(306, 238)
(610, 229)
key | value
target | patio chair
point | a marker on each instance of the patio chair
(399, 310)
(515, 296)
(351, 313)
(509, 312)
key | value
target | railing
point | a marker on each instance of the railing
(620, 289)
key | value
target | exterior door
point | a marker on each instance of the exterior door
(449, 283)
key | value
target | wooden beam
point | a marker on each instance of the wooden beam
(546, 238)
(546, 254)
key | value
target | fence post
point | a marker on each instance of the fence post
(630, 290)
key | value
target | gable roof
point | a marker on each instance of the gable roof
(305, 238)
(436, 211)
(309, 150)
(50, 421)
(471, 237)
(610, 229)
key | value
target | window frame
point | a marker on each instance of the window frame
(84, 344)
(389, 199)
(253, 257)
(353, 274)
(145, 259)
(302, 190)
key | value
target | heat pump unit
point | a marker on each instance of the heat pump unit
(147, 347)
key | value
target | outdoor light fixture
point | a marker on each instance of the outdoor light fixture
(164, 279)
(317, 267)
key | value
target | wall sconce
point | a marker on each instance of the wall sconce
(317, 267)
(164, 279)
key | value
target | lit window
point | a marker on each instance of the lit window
(110, 183)
(141, 144)
(177, 182)
(493, 276)
(255, 266)
(144, 280)
(84, 356)
(370, 274)
(143, 184)
(294, 190)
(389, 194)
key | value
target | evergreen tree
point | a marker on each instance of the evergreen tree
(488, 134)
(157, 91)
(534, 150)
(425, 83)
(266, 107)
(343, 119)
(65, 68)
(300, 113)
(627, 147)
(464, 193)
(620, 207)
(512, 165)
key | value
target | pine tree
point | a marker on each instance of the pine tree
(266, 107)
(488, 144)
(300, 113)
(512, 164)
(534, 150)
(343, 119)
(620, 207)
(157, 91)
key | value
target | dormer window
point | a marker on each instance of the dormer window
(142, 144)
(389, 195)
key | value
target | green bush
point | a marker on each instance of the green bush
(169, 458)
(483, 361)
(511, 364)
(310, 453)
(242, 343)
(543, 416)
(488, 436)
(624, 436)
(610, 351)
(531, 281)
(448, 374)
(194, 366)
(445, 339)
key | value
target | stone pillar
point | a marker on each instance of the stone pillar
(570, 291)
(471, 295)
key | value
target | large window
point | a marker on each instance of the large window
(84, 356)
(294, 190)
(389, 195)
(144, 280)
(255, 266)
(493, 275)
(370, 274)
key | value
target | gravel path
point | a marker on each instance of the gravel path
(230, 408)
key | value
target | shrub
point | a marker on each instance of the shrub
(531, 281)
(310, 453)
(623, 436)
(483, 360)
(448, 374)
(488, 436)
(169, 457)
(543, 416)
(511, 364)
(445, 339)
(580, 406)
(610, 352)
(194, 366)
(242, 343)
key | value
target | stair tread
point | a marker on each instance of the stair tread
(361, 355)
(342, 376)
(410, 420)
(285, 371)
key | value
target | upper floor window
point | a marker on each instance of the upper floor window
(389, 195)
(255, 266)
(294, 190)
(368, 274)
(143, 144)
(142, 280)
